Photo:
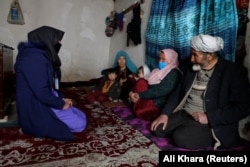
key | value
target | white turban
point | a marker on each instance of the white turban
(207, 43)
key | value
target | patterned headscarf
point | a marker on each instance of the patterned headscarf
(157, 75)
(207, 43)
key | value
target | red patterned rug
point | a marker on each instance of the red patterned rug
(107, 141)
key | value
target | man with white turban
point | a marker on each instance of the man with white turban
(206, 107)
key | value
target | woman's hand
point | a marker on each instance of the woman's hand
(134, 97)
(122, 80)
(68, 103)
(130, 93)
(162, 119)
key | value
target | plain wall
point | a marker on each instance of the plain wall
(86, 50)
(85, 47)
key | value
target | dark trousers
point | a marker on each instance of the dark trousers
(186, 132)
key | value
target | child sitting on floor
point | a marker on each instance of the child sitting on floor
(108, 89)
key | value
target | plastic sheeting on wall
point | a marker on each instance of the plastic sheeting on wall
(15, 14)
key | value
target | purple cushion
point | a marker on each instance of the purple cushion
(129, 117)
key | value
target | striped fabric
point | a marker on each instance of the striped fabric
(172, 23)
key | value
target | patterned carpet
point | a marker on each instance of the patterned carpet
(144, 126)
(108, 141)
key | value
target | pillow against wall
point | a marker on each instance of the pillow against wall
(244, 128)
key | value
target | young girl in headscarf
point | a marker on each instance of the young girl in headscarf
(141, 82)
(149, 101)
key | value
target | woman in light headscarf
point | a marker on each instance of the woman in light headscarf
(160, 83)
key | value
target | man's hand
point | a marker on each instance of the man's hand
(162, 119)
(200, 117)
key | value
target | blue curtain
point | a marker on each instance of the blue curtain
(172, 23)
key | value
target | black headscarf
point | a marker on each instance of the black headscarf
(50, 37)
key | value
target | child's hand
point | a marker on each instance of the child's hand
(122, 80)
(131, 76)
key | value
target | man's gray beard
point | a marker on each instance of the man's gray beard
(196, 67)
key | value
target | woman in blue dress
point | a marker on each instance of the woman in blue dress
(42, 109)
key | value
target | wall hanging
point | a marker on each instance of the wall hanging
(15, 14)
(117, 19)
(134, 27)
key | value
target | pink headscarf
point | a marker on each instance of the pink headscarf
(157, 75)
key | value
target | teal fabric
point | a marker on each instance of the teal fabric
(130, 65)
(172, 24)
